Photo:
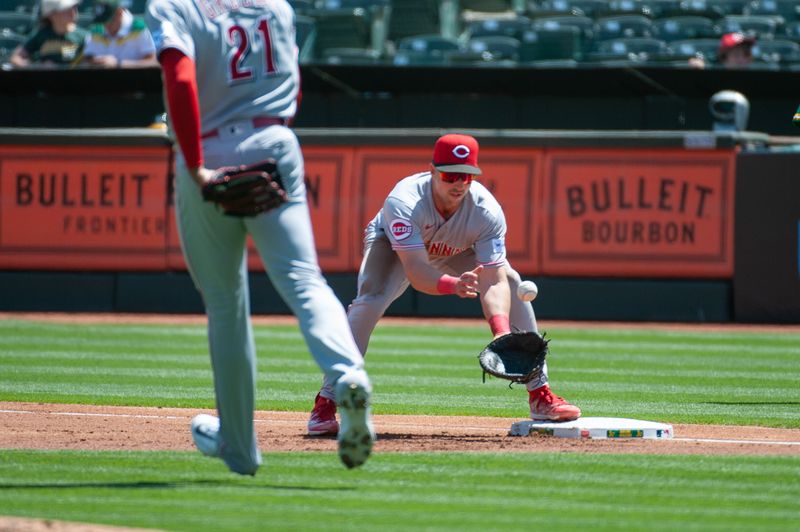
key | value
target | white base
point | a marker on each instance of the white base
(595, 427)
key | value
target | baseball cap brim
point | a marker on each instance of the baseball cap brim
(466, 168)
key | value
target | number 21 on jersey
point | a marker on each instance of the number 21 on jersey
(241, 39)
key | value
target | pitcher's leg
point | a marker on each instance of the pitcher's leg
(214, 251)
(285, 243)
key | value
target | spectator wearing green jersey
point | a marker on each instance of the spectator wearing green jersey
(58, 41)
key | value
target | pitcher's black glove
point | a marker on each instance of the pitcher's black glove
(246, 190)
(517, 356)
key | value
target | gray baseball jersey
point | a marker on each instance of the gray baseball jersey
(410, 221)
(246, 64)
(245, 54)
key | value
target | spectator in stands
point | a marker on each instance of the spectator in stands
(58, 41)
(118, 38)
(735, 50)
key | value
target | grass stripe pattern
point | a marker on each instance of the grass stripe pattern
(738, 377)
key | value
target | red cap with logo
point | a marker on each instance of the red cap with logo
(456, 153)
(729, 41)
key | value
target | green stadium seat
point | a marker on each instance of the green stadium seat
(626, 7)
(685, 27)
(549, 8)
(498, 47)
(778, 51)
(351, 56)
(584, 24)
(410, 58)
(635, 49)
(668, 8)
(305, 35)
(764, 27)
(551, 45)
(430, 44)
(8, 43)
(714, 8)
(688, 48)
(413, 17)
(341, 28)
(16, 22)
(512, 27)
(791, 31)
(19, 6)
(622, 26)
(788, 10)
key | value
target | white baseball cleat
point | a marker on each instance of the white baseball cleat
(205, 433)
(356, 433)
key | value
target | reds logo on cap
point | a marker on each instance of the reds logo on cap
(401, 229)
(461, 151)
(456, 153)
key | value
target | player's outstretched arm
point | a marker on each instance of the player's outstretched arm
(496, 299)
(427, 279)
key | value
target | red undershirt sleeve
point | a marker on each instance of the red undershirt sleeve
(180, 82)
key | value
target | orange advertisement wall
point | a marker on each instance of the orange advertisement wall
(638, 214)
(83, 208)
(569, 212)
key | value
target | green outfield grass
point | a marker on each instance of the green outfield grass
(696, 377)
(455, 491)
(743, 378)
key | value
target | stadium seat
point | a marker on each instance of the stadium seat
(791, 31)
(19, 6)
(377, 11)
(616, 8)
(636, 49)
(512, 27)
(584, 24)
(17, 22)
(341, 28)
(305, 35)
(764, 27)
(548, 8)
(497, 46)
(686, 27)
(788, 10)
(413, 17)
(623, 26)
(777, 51)
(664, 8)
(551, 45)
(351, 56)
(434, 49)
(713, 8)
(8, 42)
(403, 58)
(688, 48)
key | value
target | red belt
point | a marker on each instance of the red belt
(258, 122)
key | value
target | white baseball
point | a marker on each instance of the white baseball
(527, 291)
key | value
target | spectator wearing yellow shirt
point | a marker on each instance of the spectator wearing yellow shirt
(118, 38)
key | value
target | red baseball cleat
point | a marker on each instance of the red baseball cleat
(323, 418)
(545, 405)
